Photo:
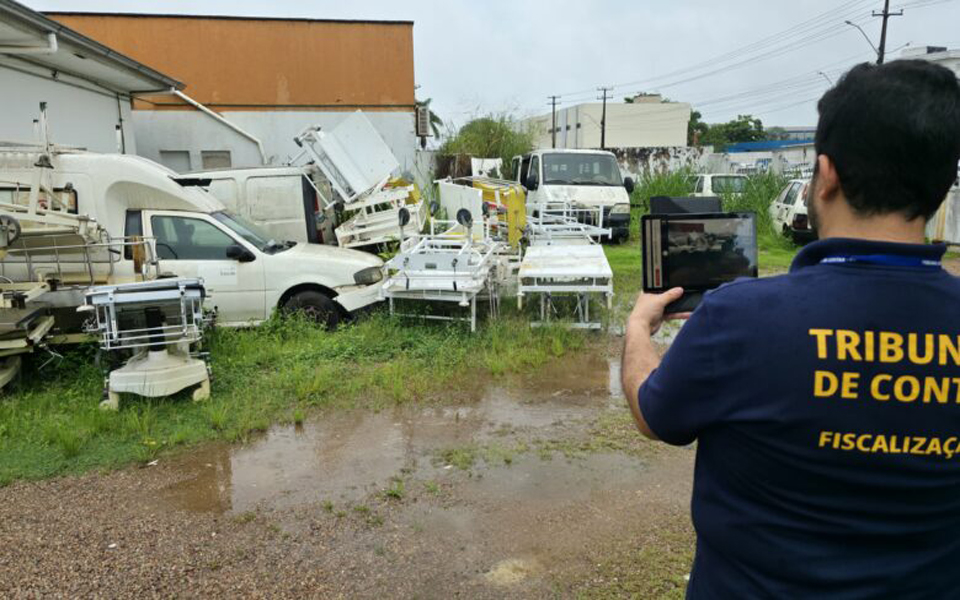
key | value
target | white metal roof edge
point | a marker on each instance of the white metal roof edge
(14, 12)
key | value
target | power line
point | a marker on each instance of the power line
(787, 37)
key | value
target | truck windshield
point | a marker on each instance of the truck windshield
(580, 169)
(251, 233)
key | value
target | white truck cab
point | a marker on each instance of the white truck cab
(247, 273)
(584, 178)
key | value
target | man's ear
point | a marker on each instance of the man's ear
(828, 182)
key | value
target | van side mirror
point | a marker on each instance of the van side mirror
(628, 184)
(239, 253)
(531, 183)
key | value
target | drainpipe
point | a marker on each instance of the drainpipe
(50, 48)
(218, 117)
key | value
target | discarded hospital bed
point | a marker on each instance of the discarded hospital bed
(360, 168)
(563, 261)
(160, 323)
(446, 266)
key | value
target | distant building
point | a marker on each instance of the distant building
(263, 81)
(646, 122)
(780, 156)
(87, 86)
(936, 54)
(797, 133)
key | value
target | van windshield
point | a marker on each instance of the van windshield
(730, 184)
(251, 233)
(580, 169)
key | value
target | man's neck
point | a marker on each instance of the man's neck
(880, 228)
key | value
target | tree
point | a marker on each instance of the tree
(493, 136)
(744, 128)
(696, 129)
(435, 122)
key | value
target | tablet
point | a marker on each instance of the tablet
(698, 252)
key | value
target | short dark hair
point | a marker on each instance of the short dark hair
(893, 132)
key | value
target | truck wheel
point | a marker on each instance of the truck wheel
(316, 305)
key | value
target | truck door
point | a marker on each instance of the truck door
(515, 168)
(196, 245)
(533, 183)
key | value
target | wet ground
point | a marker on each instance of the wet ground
(533, 487)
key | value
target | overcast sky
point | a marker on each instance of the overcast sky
(760, 57)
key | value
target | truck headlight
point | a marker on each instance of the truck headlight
(368, 276)
(620, 209)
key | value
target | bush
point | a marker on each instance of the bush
(493, 136)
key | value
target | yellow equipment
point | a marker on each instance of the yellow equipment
(507, 203)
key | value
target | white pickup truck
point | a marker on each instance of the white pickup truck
(584, 178)
(246, 271)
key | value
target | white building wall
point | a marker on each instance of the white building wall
(639, 125)
(78, 113)
(195, 132)
(640, 163)
(948, 58)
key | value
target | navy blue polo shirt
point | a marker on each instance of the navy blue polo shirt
(826, 408)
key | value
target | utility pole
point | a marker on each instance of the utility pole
(603, 117)
(553, 128)
(886, 14)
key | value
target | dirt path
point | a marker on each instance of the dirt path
(536, 488)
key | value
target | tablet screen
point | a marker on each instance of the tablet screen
(698, 252)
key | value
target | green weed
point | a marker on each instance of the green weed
(68, 439)
(395, 491)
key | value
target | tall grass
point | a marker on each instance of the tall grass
(759, 192)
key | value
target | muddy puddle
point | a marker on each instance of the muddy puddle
(344, 457)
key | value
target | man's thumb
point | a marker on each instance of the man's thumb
(671, 295)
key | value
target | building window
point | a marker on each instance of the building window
(215, 159)
(175, 160)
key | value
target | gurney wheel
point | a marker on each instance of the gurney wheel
(111, 402)
(202, 391)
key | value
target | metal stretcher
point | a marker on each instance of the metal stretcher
(564, 261)
(449, 266)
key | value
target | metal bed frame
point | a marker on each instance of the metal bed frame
(563, 260)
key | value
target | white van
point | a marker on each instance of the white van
(584, 178)
(246, 271)
(716, 184)
(283, 201)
